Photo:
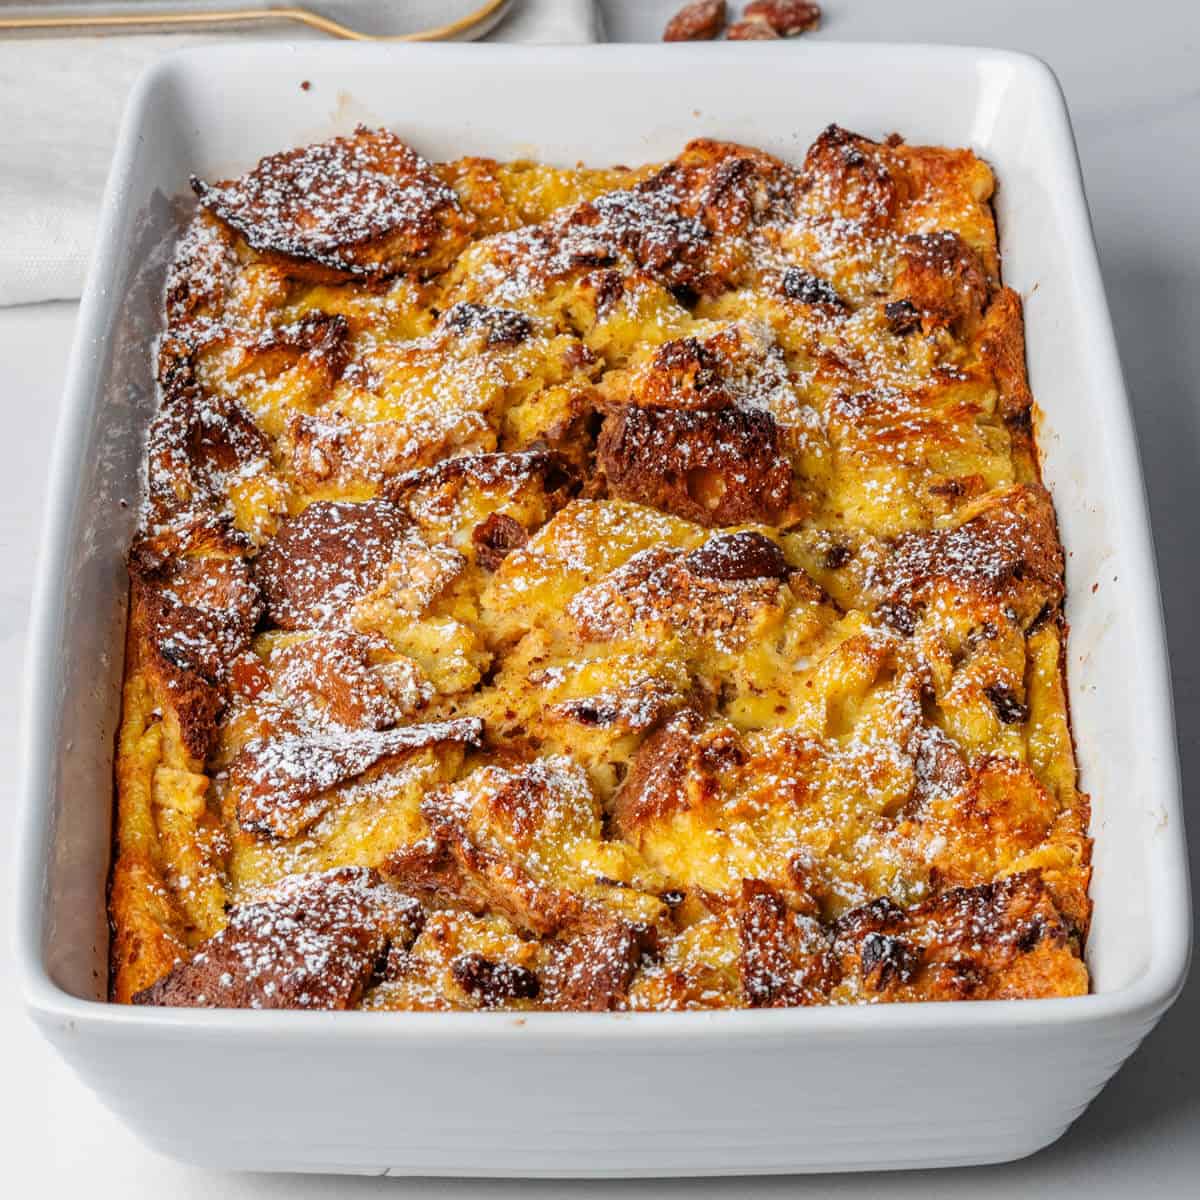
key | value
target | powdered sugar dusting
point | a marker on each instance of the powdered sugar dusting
(656, 594)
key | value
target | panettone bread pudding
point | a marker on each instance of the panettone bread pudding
(595, 589)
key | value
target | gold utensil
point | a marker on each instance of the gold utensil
(113, 21)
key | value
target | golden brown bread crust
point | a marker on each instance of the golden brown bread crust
(849, 178)
(675, 768)
(146, 944)
(591, 970)
(781, 960)
(440, 486)
(1008, 550)
(313, 943)
(190, 617)
(323, 559)
(594, 590)
(714, 467)
(364, 205)
(279, 782)
(329, 675)
(995, 941)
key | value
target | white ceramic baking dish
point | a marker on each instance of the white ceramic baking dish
(584, 1094)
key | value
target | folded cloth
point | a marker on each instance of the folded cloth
(62, 100)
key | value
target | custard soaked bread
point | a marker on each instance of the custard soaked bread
(580, 589)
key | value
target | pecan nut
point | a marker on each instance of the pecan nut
(754, 29)
(698, 22)
(787, 18)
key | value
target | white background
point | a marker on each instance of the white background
(1132, 76)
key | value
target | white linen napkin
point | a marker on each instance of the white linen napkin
(61, 102)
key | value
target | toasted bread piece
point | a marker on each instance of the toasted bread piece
(716, 467)
(784, 956)
(365, 206)
(322, 560)
(312, 943)
(1006, 548)
(590, 970)
(991, 942)
(279, 782)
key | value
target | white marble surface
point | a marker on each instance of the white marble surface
(1130, 74)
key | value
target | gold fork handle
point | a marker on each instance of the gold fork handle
(302, 16)
(218, 17)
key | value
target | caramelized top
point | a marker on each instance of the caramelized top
(588, 589)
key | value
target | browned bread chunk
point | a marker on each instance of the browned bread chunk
(329, 679)
(496, 841)
(190, 617)
(943, 279)
(990, 942)
(440, 486)
(280, 781)
(591, 969)
(329, 556)
(783, 959)
(714, 467)
(846, 175)
(196, 442)
(1009, 550)
(314, 943)
(714, 590)
(365, 206)
(681, 756)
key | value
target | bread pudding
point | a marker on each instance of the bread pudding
(579, 589)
